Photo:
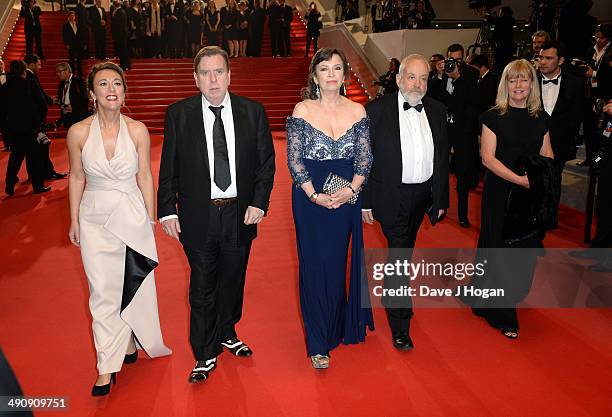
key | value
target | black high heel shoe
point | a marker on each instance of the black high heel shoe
(131, 357)
(102, 390)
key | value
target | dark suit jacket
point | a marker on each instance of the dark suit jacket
(20, 110)
(78, 99)
(381, 193)
(95, 20)
(31, 18)
(43, 100)
(482, 97)
(458, 102)
(566, 116)
(184, 175)
(74, 41)
(119, 25)
(173, 27)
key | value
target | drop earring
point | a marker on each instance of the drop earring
(342, 90)
(318, 91)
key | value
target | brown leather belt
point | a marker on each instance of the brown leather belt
(220, 202)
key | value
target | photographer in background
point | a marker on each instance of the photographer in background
(456, 88)
(387, 81)
(22, 121)
(597, 76)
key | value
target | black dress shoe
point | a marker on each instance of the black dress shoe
(9, 189)
(402, 341)
(237, 347)
(102, 390)
(464, 223)
(201, 370)
(131, 357)
(40, 190)
(56, 176)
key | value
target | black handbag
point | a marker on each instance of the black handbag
(335, 182)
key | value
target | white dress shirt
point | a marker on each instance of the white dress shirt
(550, 93)
(66, 96)
(416, 144)
(228, 123)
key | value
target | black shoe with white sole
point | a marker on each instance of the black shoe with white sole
(237, 347)
(201, 370)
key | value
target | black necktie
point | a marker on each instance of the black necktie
(554, 81)
(222, 170)
(418, 107)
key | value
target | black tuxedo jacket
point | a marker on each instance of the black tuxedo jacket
(119, 25)
(96, 20)
(457, 103)
(566, 116)
(74, 41)
(43, 100)
(482, 98)
(78, 97)
(381, 193)
(31, 18)
(184, 174)
(19, 107)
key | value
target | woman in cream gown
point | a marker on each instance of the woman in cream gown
(111, 210)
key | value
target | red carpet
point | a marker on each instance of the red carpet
(560, 365)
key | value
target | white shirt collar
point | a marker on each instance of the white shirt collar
(225, 103)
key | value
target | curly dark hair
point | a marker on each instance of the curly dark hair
(324, 54)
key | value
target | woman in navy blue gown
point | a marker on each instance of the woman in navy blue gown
(329, 133)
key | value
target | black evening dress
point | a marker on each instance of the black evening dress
(518, 134)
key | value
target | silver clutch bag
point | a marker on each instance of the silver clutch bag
(335, 182)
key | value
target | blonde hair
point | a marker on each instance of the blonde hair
(515, 69)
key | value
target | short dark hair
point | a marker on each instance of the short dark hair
(210, 51)
(437, 57)
(31, 59)
(323, 54)
(479, 60)
(553, 43)
(605, 29)
(17, 67)
(455, 48)
(105, 66)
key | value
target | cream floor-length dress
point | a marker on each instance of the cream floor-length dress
(118, 252)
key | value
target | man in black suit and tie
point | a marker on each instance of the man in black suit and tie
(563, 99)
(98, 20)
(173, 15)
(120, 30)
(71, 96)
(286, 28)
(215, 178)
(409, 176)
(33, 30)
(74, 38)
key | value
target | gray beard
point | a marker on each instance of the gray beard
(412, 98)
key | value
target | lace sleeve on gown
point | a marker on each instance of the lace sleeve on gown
(298, 170)
(363, 152)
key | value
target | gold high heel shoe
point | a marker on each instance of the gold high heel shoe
(320, 361)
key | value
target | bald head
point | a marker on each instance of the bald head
(412, 78)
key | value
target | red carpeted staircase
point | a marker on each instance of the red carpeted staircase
(153, 84)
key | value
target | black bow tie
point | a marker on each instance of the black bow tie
(554, 81)
(418, 107)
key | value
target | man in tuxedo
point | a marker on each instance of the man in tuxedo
(215, 178)
(71, 96)
(275, 20)
(456, 89)
(173, 16)
(409, 175)
(43, 101)
(286, 28)
(378, 12)
(98, 20)
(563, 98)
(3, 80)
(73, 36)
(82, 16)
(119, 30)
(22, 119)
(33, 30)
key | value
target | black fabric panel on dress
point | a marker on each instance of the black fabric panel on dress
(137, 267)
